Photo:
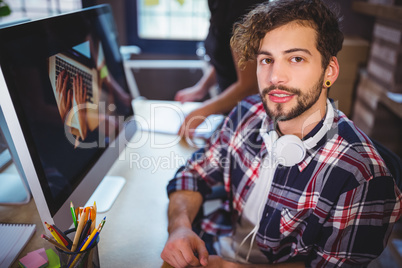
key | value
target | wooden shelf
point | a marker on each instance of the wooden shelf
(395, 107)
(379, 94)
(379, 11)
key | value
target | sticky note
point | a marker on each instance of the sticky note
(41, 252)
(54, 261)
(34, 259)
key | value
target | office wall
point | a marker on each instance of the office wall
(163, 84)
(119, 14)
(159, 84)
(353, 23)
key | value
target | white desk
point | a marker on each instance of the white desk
(136, 228)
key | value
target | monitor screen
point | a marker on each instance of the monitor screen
(65, 84)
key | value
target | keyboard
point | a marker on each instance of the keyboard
(73, 71)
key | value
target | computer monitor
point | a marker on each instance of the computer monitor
(67, 106)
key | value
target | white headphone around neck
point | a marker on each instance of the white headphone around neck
(290, 150)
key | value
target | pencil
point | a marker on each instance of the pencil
(100, 227)
(79, 229)
(54, 243)
(54, 234)
(94, 217)
(66, 241)
(73, 215)
(89, 240)
(85, 231)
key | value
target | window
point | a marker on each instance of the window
(34, 9)
(167, 26)
(173, 19)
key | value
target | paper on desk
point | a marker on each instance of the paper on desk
(167, 117)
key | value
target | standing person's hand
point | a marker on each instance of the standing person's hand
(194, 93)
(192, 121)
(199, 90)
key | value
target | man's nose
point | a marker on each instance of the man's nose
(279, 74)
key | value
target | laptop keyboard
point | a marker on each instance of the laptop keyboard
(72, 71)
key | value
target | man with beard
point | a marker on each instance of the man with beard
(305, 186)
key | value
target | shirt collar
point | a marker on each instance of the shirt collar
(310, 153)
(267, 124)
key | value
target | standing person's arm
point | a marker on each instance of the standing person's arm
(199, 90)
(245, 85)
(183, 244)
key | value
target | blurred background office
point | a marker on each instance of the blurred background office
(369, 82)
(163, 29)
(367, 89)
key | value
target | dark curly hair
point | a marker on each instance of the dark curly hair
(248, 33)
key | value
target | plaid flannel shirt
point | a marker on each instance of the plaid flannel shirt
(335, 208)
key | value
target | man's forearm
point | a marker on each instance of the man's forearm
(184, 248)
(183, 207)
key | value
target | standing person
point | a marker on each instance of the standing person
(233, 83)
(305, 186)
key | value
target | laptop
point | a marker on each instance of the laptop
(78, 61)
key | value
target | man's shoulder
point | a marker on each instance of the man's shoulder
(357, 149)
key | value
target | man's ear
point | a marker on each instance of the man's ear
(332, 71)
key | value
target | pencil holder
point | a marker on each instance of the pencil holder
(87, 258)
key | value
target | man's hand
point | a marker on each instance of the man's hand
(182, 247)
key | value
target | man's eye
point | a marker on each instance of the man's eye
(266, 61)
(297, 59)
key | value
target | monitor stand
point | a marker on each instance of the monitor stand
(106, 193)
(13, 190)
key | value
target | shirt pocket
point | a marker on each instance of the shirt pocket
(293, 221)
